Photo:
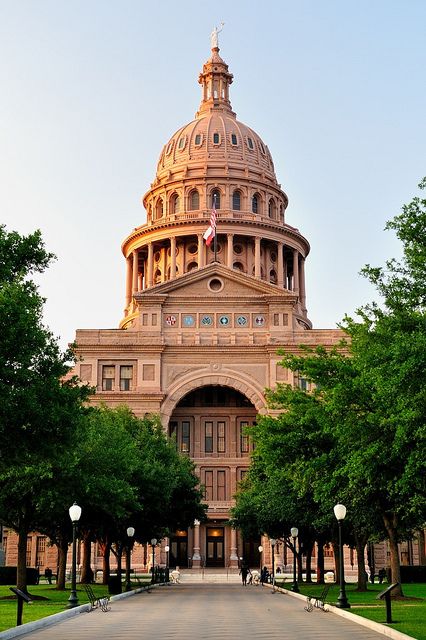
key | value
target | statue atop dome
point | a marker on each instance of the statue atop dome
(214, 40)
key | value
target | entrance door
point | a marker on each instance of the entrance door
(215, 556)
(178, 551)
(251, 552)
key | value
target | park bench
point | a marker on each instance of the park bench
(317, 601)
(96, 602)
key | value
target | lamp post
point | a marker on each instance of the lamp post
(75, 513)
(294, 533)
(153, 543)
(260, 549)
(342, 601)
(167, 549)
(130, 534)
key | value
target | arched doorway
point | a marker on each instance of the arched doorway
(211, 424)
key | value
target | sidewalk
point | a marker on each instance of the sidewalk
(208, 612)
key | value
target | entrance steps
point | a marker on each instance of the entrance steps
(210, 575)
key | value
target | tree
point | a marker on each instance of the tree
(38, 408)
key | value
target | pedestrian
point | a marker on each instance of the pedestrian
(244, 572)
(250, 577)
(264, 575)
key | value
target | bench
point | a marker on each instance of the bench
(317, 601)
(96, 602)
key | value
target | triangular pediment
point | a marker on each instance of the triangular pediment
(216, 280)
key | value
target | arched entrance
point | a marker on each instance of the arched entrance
(211, 425)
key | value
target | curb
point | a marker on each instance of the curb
(49, 621)
(363, 622)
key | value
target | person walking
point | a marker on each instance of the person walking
(244, 572)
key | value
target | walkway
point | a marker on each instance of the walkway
(207, 612)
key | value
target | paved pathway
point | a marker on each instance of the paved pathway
(207, 612)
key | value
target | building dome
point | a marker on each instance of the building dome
(216, 164)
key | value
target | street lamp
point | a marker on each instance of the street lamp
(260, 549)
(294, 533)
(273, 543)
(342, 601)
(75, 513)
(153, 543)
(130, 534)
(167, 549)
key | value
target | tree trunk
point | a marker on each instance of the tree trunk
(360, 557)
(21, 569)
(62, 563)
(86, 576)
(336, 552)
(309, 562)
(320, 561)
(299, 562)
(390, 522)
(106, 568)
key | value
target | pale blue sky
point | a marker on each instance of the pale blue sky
(91, 91)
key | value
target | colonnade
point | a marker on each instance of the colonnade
(138, 279)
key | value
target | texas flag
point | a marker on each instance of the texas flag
(211, 231)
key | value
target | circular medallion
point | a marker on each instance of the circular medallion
(206, 321)
(242, 321)
(188, 321)
(224, 321)
(259, 321)
(171, 320)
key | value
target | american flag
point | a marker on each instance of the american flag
(211, 231)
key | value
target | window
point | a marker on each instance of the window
(216, 198)
(28, 552)
(221, 437)
(244, 438)
(198, 139)
(303, 384)
(186, 437)
(221, 486)
(208, 485)
(194, 200)
(181, 143)
(250, 143)
(216, 138)
(271, 209)
(40, 549)
(255, 203)
(234, 139)
(126, 375)
(236, 201)
(159, 208)
(108, 375)
(208, 437)
(175, 203)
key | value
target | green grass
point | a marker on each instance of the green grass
(56, 601)
(408, 614)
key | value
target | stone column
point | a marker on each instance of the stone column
(280, 249)
(135, 270)
(200, 250)
(295, 270)
(150, 265)
(128, 280)
(172, 258)
(233, 558)
(230, 250)
(257, 257)
(302, 284)
(196, 557)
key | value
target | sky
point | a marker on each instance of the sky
(91, 90)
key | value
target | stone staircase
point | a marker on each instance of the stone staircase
(210, 575)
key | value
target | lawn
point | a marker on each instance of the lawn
(408, 614)
(52, 601)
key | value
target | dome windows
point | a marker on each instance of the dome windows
(215, 199)
(169, 148)
(194, 200)
(216, 138)
(159, 209)
(236, 200)
(182, 143)
(175, 203)
(255, 203)
(198, 140)
(250, 144)
(271, 209)
(234, 139)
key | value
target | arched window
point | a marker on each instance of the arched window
(175, 203)
(194, 200)
(271, 209)
(157, 276)
(236, 201)
(215, 198)
(159, 209)
(238, 266)
(273, 276)
(255, 203)
(192, 266)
